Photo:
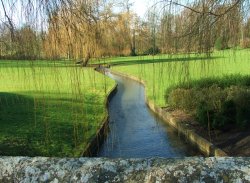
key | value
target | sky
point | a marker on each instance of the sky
(141, 6)
(138, 6)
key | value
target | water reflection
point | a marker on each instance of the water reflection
(134, 131)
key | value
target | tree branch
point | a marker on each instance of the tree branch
(9, 20)
(199, 12)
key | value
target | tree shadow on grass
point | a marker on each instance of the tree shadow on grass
(42, 128)
(156, 60)
(35, 64)
(16, 120)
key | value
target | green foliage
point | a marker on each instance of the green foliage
(218, 44)
(223, 107)
(182, 98)
(242, 101)
(225, 119)
(204, 113)
(220, 82)
(152, 51)
(210, 106)
(221, 44)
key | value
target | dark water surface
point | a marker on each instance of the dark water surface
(137, 133)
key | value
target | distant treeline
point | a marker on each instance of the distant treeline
(82, 29)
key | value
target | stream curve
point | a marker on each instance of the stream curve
(135, 132)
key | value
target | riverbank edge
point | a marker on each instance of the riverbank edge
(93, 147)
(206, 147)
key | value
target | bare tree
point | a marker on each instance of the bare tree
(82, 29)
(201, 22)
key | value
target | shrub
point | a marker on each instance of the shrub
(242, 100)
(218, 44)
(204, 114)
(223, 82)
(225, 119)
(188, 99)
(245, 43)
(214, 96)
(152, 51)
(183, 99)
(222, 104)
(221, 44)
(222, 120)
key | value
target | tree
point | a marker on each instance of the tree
(245, 37)
(83, 29)
(74, 31)
(27, 43)
(203, 23)
(5, 40)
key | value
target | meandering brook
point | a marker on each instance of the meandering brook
(135, 132)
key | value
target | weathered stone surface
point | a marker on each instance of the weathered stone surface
(193, 169)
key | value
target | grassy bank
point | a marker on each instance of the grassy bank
(49, 108)
(164, 71)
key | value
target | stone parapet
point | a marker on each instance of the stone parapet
(192, 169)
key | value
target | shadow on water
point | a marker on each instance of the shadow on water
(135, 132)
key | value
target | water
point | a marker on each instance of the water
(134, 131)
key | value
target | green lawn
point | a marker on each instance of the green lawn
(162, 71)
(54, 109)
(49, 108)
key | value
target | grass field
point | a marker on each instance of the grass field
(54, 108)
(163, 71)
(49, 108)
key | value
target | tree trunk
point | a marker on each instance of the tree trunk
(86, 60)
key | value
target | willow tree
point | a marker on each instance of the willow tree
(74, 29)
(82, 29)
(86, 29)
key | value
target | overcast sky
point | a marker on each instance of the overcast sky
(141, 6)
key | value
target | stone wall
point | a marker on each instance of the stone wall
(193, 169)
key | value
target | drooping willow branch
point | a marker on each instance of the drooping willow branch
(92, 29)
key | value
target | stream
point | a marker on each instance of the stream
(135, 132)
